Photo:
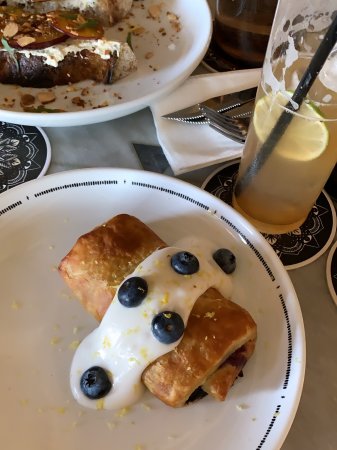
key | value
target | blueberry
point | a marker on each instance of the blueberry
(225, 259)
(132, 292)
(167, 327)
(185, 263)
(95, 383)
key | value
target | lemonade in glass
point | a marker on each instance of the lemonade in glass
(281, 190)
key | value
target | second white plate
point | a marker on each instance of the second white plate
(167, 52)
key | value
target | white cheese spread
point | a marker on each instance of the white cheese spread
(56, 53)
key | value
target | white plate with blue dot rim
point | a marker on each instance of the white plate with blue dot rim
(42, 322)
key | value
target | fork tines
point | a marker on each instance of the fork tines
(235, 128)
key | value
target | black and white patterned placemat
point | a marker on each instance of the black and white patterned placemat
(297, 248)
(24, 154)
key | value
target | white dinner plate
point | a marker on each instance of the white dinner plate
(167, 52)
(41, 321)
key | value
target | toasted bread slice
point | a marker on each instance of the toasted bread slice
(70, 62)
(108, 11)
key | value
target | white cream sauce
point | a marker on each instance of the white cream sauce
(56, 53)
(123, 343)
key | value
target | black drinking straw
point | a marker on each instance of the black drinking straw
(299, 95)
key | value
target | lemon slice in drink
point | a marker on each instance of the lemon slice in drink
(305, 138)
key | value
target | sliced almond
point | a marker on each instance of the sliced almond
(10, 29)
(137, 31)
(46, 97)
(85, 92)
(174, 21)
(27, 100)
(25, 40)
(172, 17)
(72, 89)
(78, 101)
(155, 10)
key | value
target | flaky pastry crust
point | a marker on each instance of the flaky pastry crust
(219, 337)
(102, 258)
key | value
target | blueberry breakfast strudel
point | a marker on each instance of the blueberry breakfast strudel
(163, 321)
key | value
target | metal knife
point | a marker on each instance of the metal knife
(221, 103)
(242, 111)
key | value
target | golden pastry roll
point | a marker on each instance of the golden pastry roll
(218, 340)
(102, 258)
(219, 337)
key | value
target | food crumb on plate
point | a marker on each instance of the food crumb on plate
(61, 410)
(139, 447)
(123, 412)
(154, 10)
(146, 407)
(174, 21)
(74, 425)
(242, 406)
(100, 404)
(55, 340)
(46, 97)
(66, 296)
(16, 305)
(111, 425)
(74, 345)
(171, 437)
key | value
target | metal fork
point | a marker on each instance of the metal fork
(233, 127)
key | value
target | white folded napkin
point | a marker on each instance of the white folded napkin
(189, 147)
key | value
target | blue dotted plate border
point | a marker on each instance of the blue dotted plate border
(266, 267)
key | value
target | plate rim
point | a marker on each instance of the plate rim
(291, 300)
(48, 152)
(331, 254)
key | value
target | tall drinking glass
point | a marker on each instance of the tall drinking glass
(241, 30)
(284, 168)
